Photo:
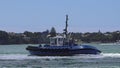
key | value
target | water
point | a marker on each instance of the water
(15, 56)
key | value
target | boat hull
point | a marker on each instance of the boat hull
(62, 52)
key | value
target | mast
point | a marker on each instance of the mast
(66, 27)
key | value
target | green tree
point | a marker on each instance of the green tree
(4, 37)
(52, 32)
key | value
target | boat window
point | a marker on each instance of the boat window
(52, 41)
(55, 41)
(59, 39)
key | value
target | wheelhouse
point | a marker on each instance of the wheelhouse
(57, 40)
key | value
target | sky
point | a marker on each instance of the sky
(40, 15)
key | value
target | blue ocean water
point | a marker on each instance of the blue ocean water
(15, 56)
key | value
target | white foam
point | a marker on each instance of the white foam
(114, 55)
(25, 56)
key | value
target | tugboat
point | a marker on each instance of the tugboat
(62, 45)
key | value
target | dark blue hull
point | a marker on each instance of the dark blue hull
(62, 52)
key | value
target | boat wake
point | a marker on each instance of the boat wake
(112, 55)
(84, 56)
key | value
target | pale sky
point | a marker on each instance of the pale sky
(40, 15)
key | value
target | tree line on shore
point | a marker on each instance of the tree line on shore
(28, 37)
